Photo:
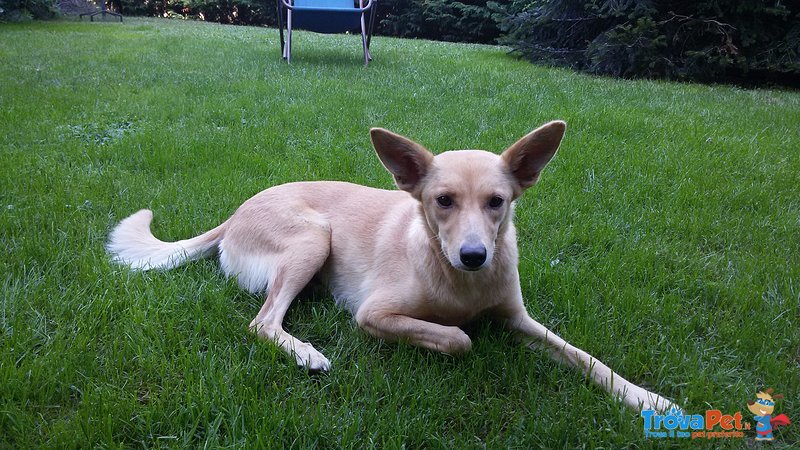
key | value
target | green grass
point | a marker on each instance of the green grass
(664, 238)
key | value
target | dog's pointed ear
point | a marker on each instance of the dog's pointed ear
(406, 160)
(528, 156)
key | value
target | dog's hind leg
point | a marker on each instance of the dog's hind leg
(631, 395)
(292, 271)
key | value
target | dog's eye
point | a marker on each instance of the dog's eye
(444, 201)
(496, 202)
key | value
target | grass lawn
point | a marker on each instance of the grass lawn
(664, 239)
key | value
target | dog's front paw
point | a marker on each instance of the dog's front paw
(456, 343)
(310, 359)
(657, 403)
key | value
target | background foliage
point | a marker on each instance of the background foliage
(441, 20)
(744, 42)
(22, 10)
(705, 40)
(237, 12)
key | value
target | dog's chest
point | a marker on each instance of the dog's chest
(443, 303)
(460, 304)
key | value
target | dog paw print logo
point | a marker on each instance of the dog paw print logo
(762, 409)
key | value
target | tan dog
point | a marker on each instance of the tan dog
(410, 265)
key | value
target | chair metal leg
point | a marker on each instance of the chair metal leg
(279, 10)
(364, 41)
(289, 37)
(371, 26)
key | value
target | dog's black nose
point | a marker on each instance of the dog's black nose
(473, 256)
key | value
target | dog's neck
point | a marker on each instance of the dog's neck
(456, 297)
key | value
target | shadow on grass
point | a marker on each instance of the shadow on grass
(329, 57)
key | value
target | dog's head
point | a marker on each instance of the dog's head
(466, 195)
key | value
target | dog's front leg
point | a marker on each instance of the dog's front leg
(538, 336)
(391, 326)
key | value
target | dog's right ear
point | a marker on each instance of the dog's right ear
(406, 160)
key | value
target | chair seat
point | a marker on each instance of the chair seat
(328, 20)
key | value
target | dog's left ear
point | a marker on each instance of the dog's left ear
(528, 156)
(406, 160)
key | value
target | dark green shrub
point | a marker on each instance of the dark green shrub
(22, 10)
(146, 7)
(441, 20)
(707, 40)
(238, 12)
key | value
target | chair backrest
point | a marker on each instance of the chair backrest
(325, 3)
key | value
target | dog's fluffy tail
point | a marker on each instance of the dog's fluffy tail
(132, 243)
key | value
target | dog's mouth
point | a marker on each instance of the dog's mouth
(463, 268)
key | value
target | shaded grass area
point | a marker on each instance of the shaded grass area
(664, 239)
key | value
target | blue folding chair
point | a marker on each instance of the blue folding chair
(326, 16)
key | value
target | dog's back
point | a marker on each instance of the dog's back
(349, 222)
